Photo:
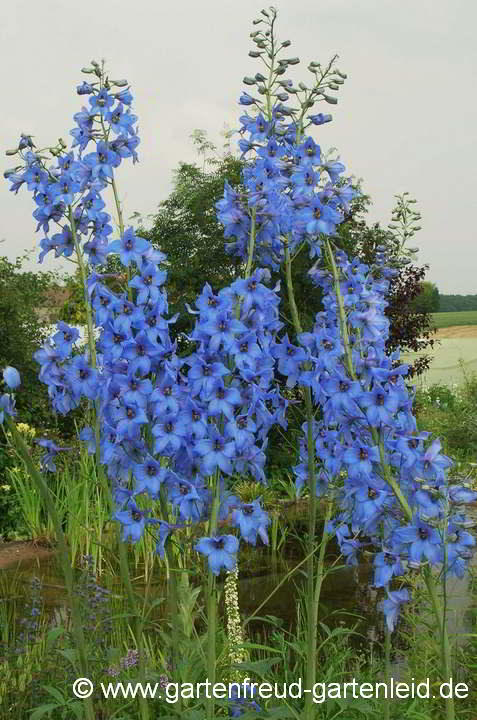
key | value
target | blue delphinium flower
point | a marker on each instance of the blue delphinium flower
(133, 521)
(221, 552)
(48, 459)
(252, 521)
(11, 377)
(422, 539)
(7, 406)
(391, 606)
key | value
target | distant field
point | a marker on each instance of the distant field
(455, 354)
(449, 319)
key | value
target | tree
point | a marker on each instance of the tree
(187, 230)
(411, 328)
(22, 331)
(427, 299)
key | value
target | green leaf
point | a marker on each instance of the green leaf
(259, 667)
(77, 708)
(39, 712)
(70, 655)
(53, 636)
(56, 694)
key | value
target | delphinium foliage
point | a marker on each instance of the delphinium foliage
(172, 432)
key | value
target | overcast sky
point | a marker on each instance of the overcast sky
(406, 119)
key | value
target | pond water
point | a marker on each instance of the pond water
(268, 588)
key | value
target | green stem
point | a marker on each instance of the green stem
(445, 651)
(92, 352)
(172, 595)
(212, 597)
(312, 599)
(440, 615)
(138, 622)
(64, 555)
(387, 669)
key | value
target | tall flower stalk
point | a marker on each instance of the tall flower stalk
(170, 432)
(393, 486)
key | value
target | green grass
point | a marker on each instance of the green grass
(448, 319)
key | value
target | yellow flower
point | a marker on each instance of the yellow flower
(25, 429)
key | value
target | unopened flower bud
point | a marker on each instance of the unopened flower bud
(119, 83)
(11, 171)
(249, 81)
(286, 43)
(88, 71)
(331, 100)
(254, 53)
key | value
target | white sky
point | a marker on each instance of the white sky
(406, 119)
